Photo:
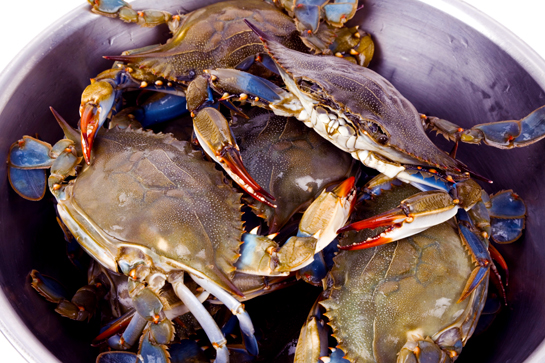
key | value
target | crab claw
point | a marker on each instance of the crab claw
(97, 101)
(214, 135)
(412, 216)
(328, 212)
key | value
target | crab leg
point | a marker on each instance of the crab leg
(507, 216)
(131, 334)
(123, 10)
(500, 134)
(28, 156)
(236, 308)
(203, 317)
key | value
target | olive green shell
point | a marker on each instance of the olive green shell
(289, 160)
(365, 96)
(380, 296)
(217, 37)
(152, 190)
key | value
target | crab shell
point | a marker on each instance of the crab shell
(384, 298)
(216, 37)
(150, 195)
(381, 119)
(291, 161)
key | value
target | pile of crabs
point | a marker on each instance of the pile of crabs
(255, 151)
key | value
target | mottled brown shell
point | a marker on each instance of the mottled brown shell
(217, 37)
(380, 296)
(152, 190)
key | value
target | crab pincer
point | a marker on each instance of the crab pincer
(412, 216)
(218, 142)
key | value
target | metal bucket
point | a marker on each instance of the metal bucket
(458, 65)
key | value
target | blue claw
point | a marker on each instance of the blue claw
(28, 183)
(509, 134)
(161, 108)
(118, 357)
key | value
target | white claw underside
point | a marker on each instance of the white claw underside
(420, 223)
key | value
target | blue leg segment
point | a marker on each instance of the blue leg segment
(478, 246)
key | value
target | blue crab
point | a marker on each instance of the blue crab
(363, 114)
(405, 301)
(211, 37)
(164, 213)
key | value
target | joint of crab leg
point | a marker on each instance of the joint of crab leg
(414, 215)
(130, 335)
(232, 83)
(148, 305)
(478, 247)
(215, 137)
(162, 332)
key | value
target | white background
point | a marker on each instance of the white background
(24, 20)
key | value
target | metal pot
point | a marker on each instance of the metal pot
(462, 67)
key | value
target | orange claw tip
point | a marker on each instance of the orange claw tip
(344, 188)
(89, 127)
(233, 163)
(389, 218)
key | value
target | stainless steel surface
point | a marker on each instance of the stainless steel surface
(460, 66)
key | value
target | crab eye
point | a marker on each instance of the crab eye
(382, 139)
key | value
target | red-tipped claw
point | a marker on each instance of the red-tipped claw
(414, 215)
(391, 217)
(89, 127)
(230, 157)
(212, 131)
(97, 101)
